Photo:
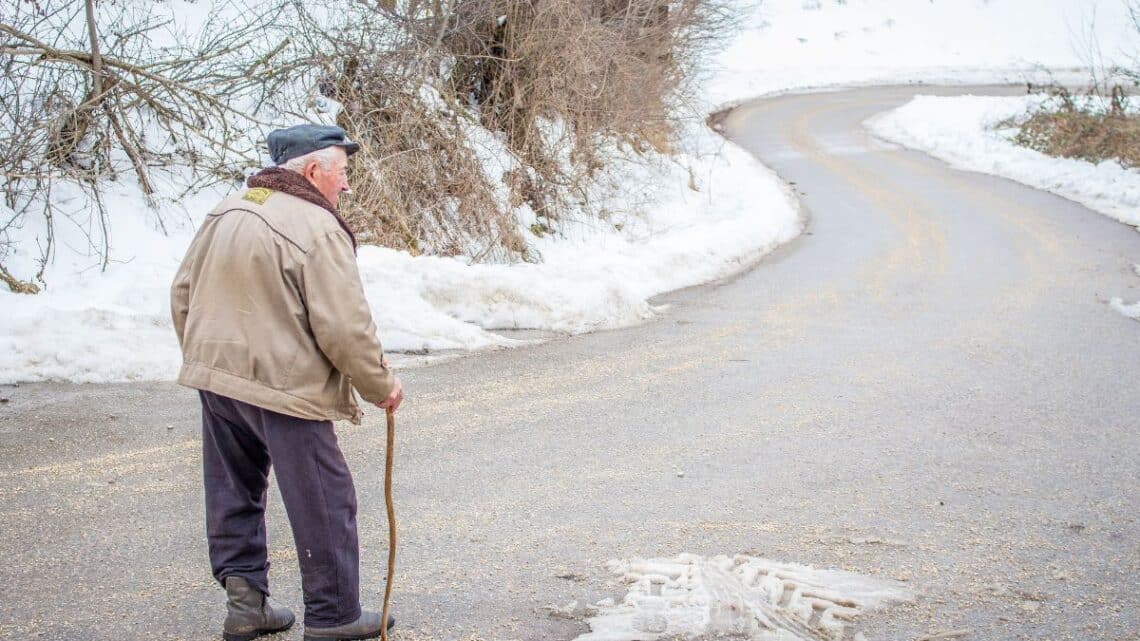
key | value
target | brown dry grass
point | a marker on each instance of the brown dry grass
(1074, 131)
(417, 182)
(1087, 136)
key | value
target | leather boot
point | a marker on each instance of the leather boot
(366, 627)
(250, 613)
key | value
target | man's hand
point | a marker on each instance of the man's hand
(394, 399)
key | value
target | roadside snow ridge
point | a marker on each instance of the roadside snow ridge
(743, 596)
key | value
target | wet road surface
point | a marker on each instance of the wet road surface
(926, 386)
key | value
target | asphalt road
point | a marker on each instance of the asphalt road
(927, 386)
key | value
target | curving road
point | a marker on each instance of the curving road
(926, 386)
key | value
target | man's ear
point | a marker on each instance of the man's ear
(311, 169)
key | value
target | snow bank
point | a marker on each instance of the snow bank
(702, 215)
(690, 596)
(597, 276)
(964, 131)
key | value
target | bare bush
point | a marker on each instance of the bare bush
(602, 69)
(1095, 124)
(418, 181)
(1086, 127)
(84, 99)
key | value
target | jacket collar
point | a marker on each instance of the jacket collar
(294, 184)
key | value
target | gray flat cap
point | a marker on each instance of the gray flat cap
(298, 140)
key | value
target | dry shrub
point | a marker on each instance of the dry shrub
(559, 80)
(600, 67)
(417, 182)
(603, 69)
(93, 91)
(1076, 130)
(1096, 125)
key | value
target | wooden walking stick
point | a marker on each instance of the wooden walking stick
(391, 522)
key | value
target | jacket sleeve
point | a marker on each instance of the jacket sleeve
(340, 318)
(180, 296)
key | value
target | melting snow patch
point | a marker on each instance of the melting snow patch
(748, 597)
(1131, 311)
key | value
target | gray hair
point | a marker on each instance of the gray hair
(324, 157)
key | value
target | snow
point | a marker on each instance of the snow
(1130, 310)
(595, 278)
(690, 596)
(799, 44)
(705, 214)
(100, 326)
(92, 326)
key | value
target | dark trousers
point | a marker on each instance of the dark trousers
(239, 443)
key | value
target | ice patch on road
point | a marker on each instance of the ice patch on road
(754, 598)
(1130, 310)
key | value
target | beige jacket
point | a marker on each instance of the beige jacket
(269, 310)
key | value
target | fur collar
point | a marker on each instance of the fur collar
(294, 184)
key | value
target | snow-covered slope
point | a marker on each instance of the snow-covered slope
(797, 44)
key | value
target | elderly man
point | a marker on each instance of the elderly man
(276, 334)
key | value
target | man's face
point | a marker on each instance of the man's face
(332, 181)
